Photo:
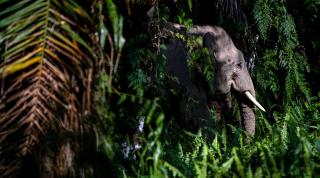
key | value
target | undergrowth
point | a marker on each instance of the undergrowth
(287, 139)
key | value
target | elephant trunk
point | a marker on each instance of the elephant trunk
(247, 114)
(245, 94)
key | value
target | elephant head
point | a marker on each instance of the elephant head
(231, 75)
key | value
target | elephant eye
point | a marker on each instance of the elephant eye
(239, 65)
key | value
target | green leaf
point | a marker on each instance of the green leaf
(225, 167)
(190, 5)
(239, 165)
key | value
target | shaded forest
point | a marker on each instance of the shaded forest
(134, 88)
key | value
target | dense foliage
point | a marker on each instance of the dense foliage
(118, 70)
(286, 143)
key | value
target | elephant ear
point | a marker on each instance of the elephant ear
(209, 42)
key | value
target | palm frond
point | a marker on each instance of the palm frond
(45, 74)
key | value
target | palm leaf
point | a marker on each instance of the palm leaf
(46, 72)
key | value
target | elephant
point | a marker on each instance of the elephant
(189, 99)
(231, 73)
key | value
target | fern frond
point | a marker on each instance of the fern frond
(282, 57)
(239, 165)
(262, 16)
(313, 6)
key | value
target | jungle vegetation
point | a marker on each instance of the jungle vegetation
(80, 82)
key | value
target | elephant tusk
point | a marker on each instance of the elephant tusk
(255, 102)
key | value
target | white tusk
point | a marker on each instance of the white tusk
(255, 102)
